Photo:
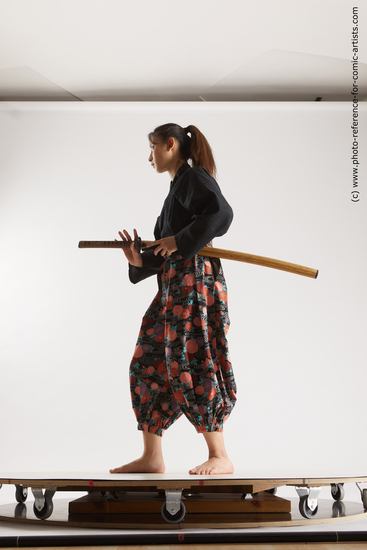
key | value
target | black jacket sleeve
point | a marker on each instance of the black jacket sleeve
(151, 266)
(209, 213)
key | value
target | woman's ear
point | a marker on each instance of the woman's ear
(171, 143)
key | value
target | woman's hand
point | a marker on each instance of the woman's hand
(164, 246)
(132, 255)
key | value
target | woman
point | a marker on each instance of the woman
(181, 362)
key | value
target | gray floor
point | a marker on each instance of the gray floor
(19, 530)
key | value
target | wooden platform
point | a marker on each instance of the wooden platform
(207, 507)
(153, 501)
(254, 480)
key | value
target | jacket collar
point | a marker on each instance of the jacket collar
(185, 166)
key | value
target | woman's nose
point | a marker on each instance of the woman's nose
(150, 157)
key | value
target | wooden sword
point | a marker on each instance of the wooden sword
(215, 253)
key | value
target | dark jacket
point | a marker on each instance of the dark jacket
(194, 212)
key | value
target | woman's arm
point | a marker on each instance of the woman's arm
(142, 265)
(210, 213)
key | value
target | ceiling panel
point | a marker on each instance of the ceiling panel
(25, 84)
(289, 76)
(120, 50)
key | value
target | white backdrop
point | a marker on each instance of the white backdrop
(70, 317)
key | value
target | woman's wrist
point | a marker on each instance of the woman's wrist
(136, 264)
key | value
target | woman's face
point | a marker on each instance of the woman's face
(160, 156)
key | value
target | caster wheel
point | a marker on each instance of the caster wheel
(21, 493)
(176, 518)
(305, 510)
(45, 512)
(337, 491)
(364, 499)
(338, 509)
(272, 491)
(20, 511)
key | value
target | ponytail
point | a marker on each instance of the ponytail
(195, 147)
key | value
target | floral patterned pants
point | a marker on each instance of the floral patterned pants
(181, 363)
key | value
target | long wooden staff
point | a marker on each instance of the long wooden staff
(216, 253)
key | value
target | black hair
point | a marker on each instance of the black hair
(195, 147)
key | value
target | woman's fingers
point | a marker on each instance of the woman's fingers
(160, 249)
(158, 246)
(127, 236)
(132, 255)
(164, 246)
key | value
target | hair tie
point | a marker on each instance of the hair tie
(186, 130)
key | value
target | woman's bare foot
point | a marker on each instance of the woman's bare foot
(218, 462)
(145, 464)
(213, 466)
(151, 462)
